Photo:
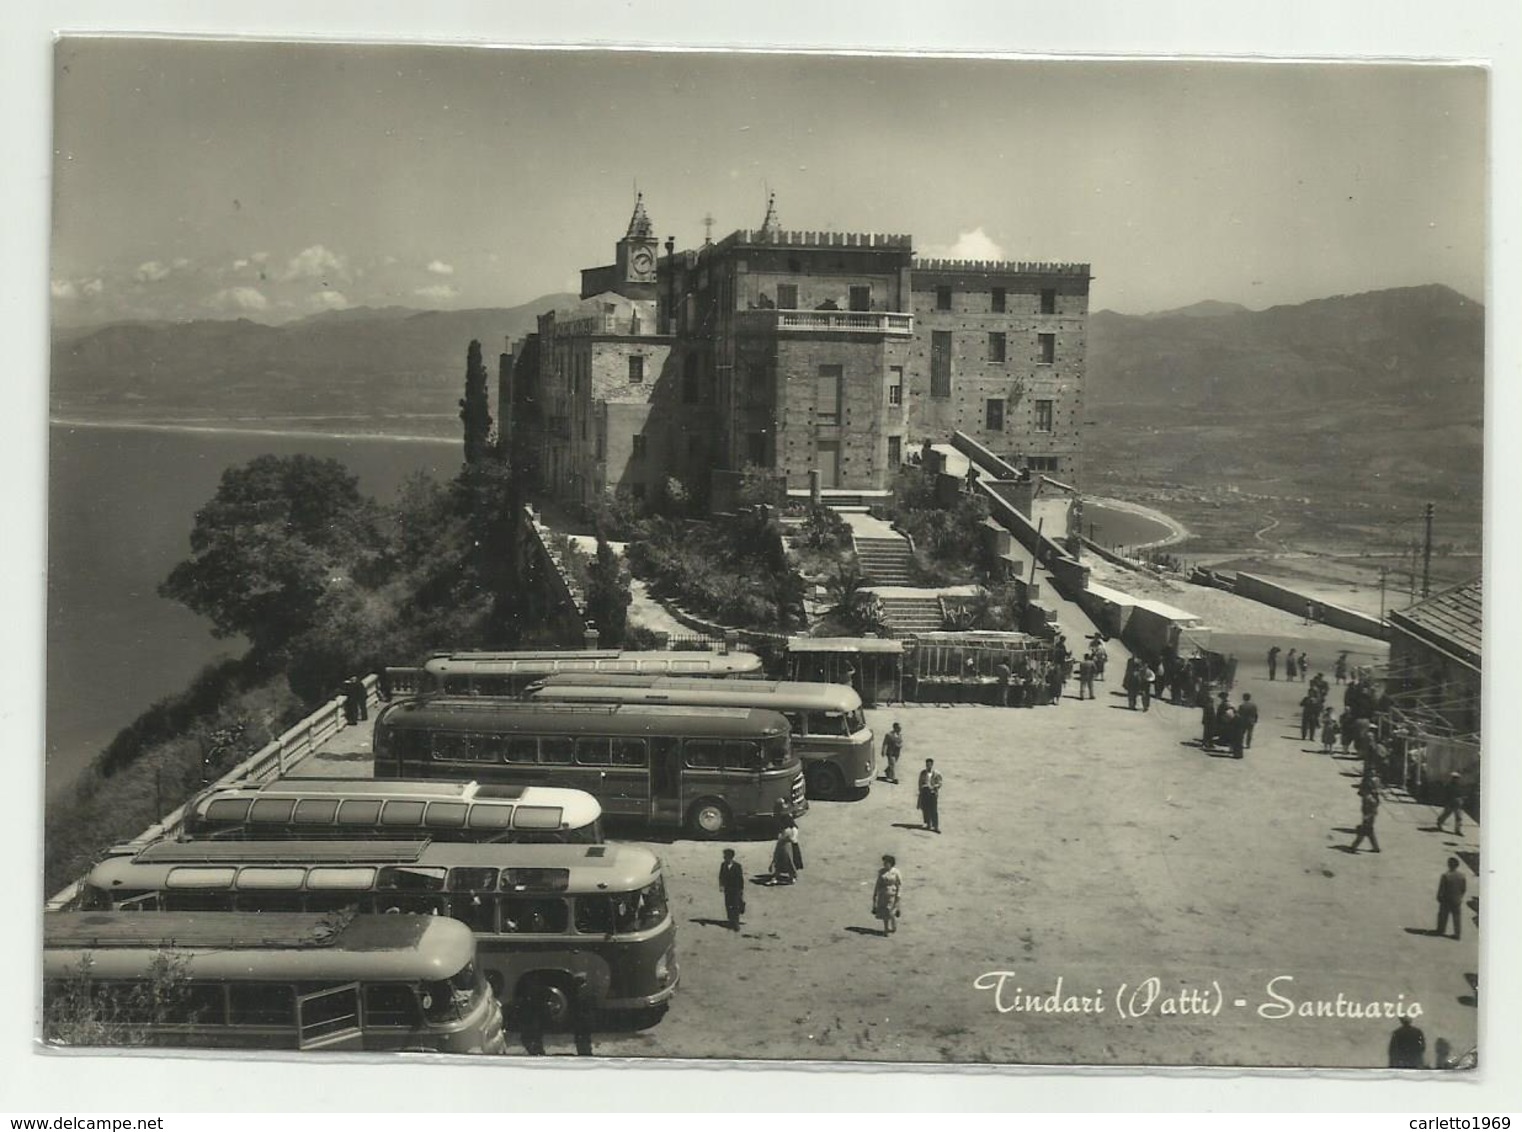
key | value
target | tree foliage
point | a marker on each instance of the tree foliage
(475, 412)
(608, 595)
(278, 536)
(79, 1011)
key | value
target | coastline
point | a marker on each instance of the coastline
(1177, 532)
(226, 430)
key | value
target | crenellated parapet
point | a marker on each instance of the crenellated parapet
(1000, 266)
(795, 239)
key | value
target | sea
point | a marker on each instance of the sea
(122, 500)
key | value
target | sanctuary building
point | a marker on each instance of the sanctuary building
(793, 353)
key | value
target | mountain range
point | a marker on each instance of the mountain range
(1406, 347)
(1412, 345)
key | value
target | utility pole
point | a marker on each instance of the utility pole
(1383, 571)
(1427, 556)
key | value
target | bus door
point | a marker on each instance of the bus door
(624, 787)
(329, 1018)
(666, 781)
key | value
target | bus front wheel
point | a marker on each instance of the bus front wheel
(708, 818)
(824, 781)
(548, 997)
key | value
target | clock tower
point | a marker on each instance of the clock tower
(637, 253)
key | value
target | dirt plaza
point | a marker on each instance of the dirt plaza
(1200, 904)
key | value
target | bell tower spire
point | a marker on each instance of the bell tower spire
(771, 226)
(637, 252)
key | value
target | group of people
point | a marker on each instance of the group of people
(1226, 724)
(1296, 664)
(787, 851)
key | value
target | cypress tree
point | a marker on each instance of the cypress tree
(474, 410)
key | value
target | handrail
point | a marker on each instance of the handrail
(276, 756)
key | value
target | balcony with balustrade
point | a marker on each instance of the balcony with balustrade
(895, 323)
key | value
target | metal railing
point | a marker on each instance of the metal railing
(848, 322)
(270, 761)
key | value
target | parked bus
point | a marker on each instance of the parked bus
(544, 915)
(708, 770)
(307, 982)
(357, 809)
(508, 673)
(830, 733)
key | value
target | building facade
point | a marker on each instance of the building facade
(795, 353)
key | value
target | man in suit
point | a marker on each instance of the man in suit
(930, 796)
(1451, 887)
(732, 883)
(1247, 718)
(1453, 803)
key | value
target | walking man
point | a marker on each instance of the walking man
(1450, 898)
(1086, 676)
(1144, 678)
(1002, 673)
(732, 883)
(1453, 803)
(1408, 1046)
(930, 796)
(1273, 661)
(1370, 806)
(1247, 718)
(1310, 709)
(893, 747)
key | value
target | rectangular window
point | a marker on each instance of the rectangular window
(993, 417)
(996, 346)
(787, 296)
(997, 300)
(1049, 301)
(827, 395)
(1041, 463)
(755, 448)
(943, 298)
(1043, 416)
(637, 369)
(639, 446)
(895, 451)
(861, 298)
(1046, 348)
(940, 363)
(895, 385)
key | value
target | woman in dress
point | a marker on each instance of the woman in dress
(786, 855)
(885, 895)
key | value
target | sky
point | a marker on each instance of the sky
(197, 179)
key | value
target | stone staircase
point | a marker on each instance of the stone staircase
(886, 561)
(909, 615)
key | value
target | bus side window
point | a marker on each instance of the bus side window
(189, 900)
(201, 1004)
(629, 752)
(704, 754)
(594, 915)
(534, 915)
(391, 1004)
(524, 750)
(451, 747)
(740, 754)
(592, 752)
(797, 722)
(493, 686)
(457, 686)
(826, 723)
(556, 750)
(261, 1004)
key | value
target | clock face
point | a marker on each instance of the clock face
(642, 262)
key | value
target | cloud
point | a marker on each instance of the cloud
(327, 300)
(153, 271)
(260, 257)
(315, 262)
(63, 289)
(180, 264)
(93, 287)
(976, 244)
(439, 292)
(239, 264)
(240, 298)
(438, 267)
